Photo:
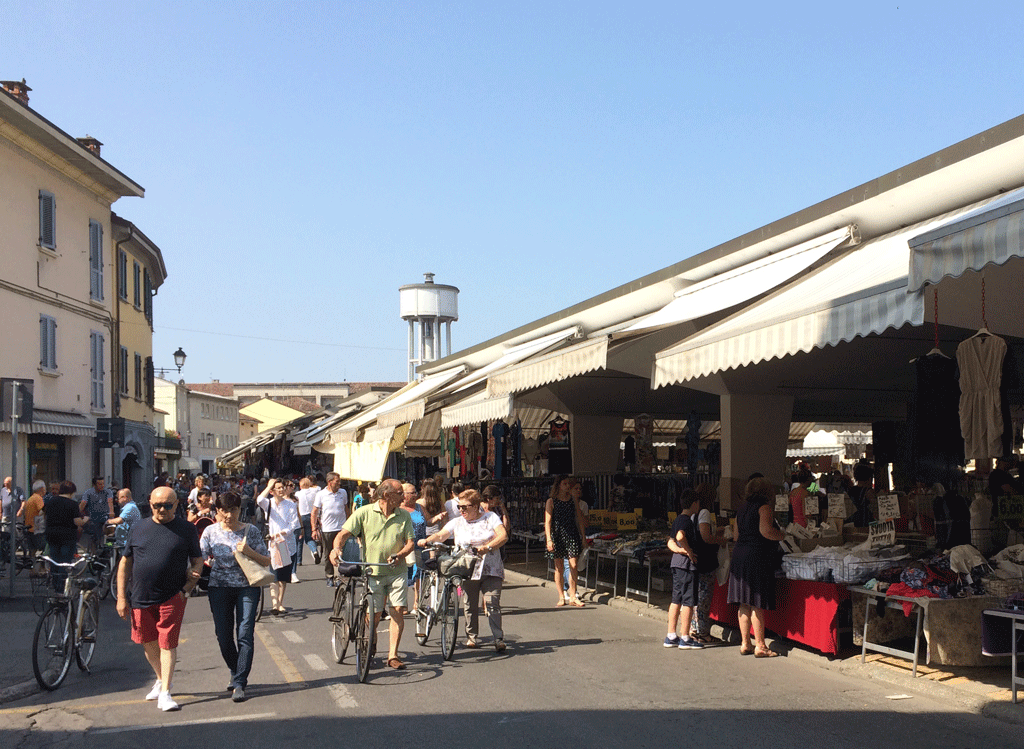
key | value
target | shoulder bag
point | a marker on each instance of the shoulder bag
(255, 573)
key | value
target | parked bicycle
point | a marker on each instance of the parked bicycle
(69, 626)
(104, 567)
(353, 615)
(23, 555)
(452, 568)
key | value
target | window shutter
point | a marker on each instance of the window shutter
(138, 286)
(150, 384)
(47, 220)
(95, 260)
(44, 335)
(122, 280)
(148, 298)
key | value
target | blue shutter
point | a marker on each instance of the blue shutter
(47, 220)
(95, 260)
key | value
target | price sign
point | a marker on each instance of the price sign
(781, 503)
(882, 534)
(837, 506)
(626, 521)
(1011, 508)
(638, 511)
(811, 506)
(888, 507)
(672, 517)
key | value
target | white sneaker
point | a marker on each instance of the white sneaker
(155, 691)
(167, 703)
(295, 578)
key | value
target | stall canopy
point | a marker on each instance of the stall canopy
(862, 292)
(989, 235)
(745, 282)
(552, 366)
(46, 421)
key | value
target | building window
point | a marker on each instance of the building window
(123, 371)
(47, 343)
(138, 376)
(138, 284)
(150, 384)
(96, 260)
(96, 343)
(122, 274)
(147, 297)
(47, 220)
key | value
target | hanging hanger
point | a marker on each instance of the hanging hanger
(983, 330)
(935, 351)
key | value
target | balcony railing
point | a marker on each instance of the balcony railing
(168, 445)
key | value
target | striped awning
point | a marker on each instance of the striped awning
(63, 423)
(552, 366)
(407, 404)
(476, 408)
(989, 235)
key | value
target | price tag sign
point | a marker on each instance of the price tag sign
(888, 507)
(837, 506)
(672, 517)
(626, 521)
(781, 503)
(597, 517)
(882, 534)
(811, 506)
(1011, 508)
(638, 511)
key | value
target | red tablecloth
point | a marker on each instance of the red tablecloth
(805, 612)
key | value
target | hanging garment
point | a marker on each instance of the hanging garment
(499, 431)
(981, 414)
(936, 426)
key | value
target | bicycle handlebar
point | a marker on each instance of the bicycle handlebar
(83, 559)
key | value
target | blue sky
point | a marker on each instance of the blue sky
(303, 160)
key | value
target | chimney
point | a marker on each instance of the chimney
(18, 89)
(90, 143)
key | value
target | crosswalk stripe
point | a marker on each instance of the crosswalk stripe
(292, 636)
(315, 662)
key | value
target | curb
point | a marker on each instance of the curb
(922, 686)
(18, 691)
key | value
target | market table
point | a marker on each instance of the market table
(898, 603)
(806, 612)
(1002, 632)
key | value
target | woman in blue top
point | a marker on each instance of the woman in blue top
(233, 601)
(419, 530)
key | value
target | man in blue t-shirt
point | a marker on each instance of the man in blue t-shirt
(683, 543)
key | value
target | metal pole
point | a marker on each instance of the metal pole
(14, 481)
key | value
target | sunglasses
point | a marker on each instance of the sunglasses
(161, 505)
(463, 508)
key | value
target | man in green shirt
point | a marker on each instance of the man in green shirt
(387, 537)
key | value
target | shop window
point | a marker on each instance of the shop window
(47, 220)
(96, 261)
(47, 343)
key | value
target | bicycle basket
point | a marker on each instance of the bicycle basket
(460, 565)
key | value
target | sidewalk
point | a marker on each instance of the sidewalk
(17, 626)
(983, 690)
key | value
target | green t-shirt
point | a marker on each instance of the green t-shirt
(382, 536)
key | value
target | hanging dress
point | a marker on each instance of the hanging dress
(981, 415)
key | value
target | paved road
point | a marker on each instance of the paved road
(596, 677)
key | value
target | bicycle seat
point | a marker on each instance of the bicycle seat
(430, 564)
(88, 582)
(346, 569)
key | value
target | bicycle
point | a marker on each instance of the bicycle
(68, 627)
(104, 567)
(352, 620)
(453, 568)
(23, 555)
(431, 584)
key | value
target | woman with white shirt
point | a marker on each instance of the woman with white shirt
(282, 520)
(484, 532)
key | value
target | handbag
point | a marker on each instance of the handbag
(254, 572)
(457, 565)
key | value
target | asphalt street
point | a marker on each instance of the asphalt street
(593, 677)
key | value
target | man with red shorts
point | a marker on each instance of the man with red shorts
(163, 560)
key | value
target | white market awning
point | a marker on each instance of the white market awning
(988, 235)
(862, 292)
(63, 423)
(402, 407)
(250, 444)
(745, 282)
(553, 366)
(476, 408)
(189, 464)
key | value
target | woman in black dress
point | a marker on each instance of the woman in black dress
(564, 528)
(752, 572)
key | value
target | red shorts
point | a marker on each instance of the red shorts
(161, 622)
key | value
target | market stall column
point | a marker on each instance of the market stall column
(595, 443)
(755, 432)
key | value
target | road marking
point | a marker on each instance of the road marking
(315, 662)
(292, 636)
(202, 722)
(284, 665)
(341, 696)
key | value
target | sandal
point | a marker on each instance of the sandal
(766, 653)
(561, 602)
(395, 664)
(746, 651)
(577, 603)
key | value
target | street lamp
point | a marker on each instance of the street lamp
(179, 362)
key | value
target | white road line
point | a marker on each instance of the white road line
(292, 636)
(342, 697)
(315, 662)
(202, 722)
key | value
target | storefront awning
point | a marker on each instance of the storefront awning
(745, 282)
(250, 444)
(862, 292)
(553, 366)
(64, 423)
(989, 235)
(189, 464)
(404, 406)
(476, 408)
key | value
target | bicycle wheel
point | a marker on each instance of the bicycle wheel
(449, 619)
(340, 621)
(366, 635)
(51, 646)
(106, 575)
(259, 606)
(425, 614)
(87, 629)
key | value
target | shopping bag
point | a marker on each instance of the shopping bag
(279, 556)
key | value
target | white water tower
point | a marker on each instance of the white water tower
(428, 305)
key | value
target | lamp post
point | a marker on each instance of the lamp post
(179, 362)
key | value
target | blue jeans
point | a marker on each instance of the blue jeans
(229, 605)
(305, 538)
